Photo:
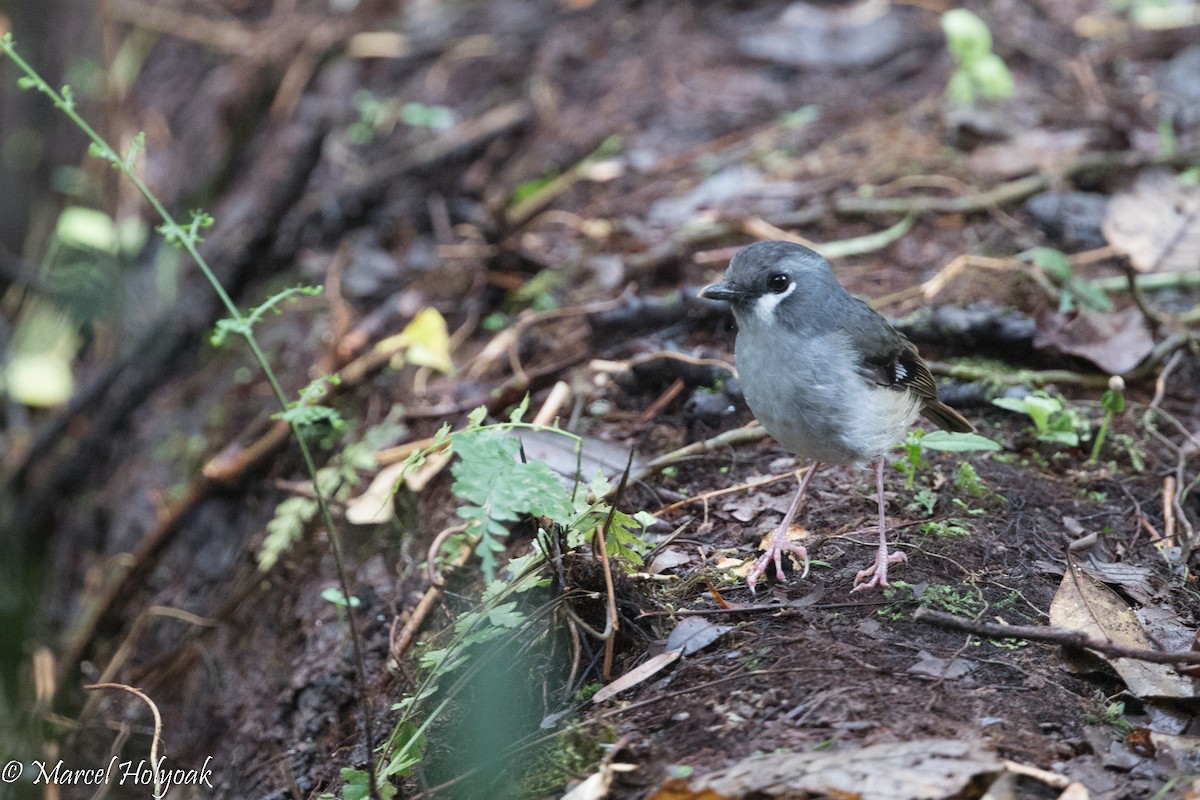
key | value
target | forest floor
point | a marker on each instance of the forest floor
(557, 180)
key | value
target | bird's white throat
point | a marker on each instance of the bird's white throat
(764, 307)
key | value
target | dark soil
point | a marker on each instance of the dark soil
(137, 513)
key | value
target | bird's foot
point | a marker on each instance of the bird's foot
(778, 545)
(877, 572)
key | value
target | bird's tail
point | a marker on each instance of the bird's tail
(946, 417)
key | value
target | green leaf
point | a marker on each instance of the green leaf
(967, 36)
(335, 596)
(1113, 401)
(357, 786)
(87, 228)
(951, 442)
(1090, 294)
(518, 413)
(1040, 407)
(1068, 438)
(1054, 262)
(500, 488)
(1011, 404)
(285, 529)
(992, 76)
(409, 752)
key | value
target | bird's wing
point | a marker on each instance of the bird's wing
(888, 358)
(900, 368)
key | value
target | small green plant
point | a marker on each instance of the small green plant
(980, 73)
(496, 488)
(949, 528)
(188, 239)
(499, 488)
(913, 459)
(1113, 403)
(968, 482)
(243, 325)
(802, 117)
(899, 595)
(1109, 713)
(918, 441)
(951, 599)
(340, 602)
(1052, 420)
(376, 115)
(577, 751)
(923, 502)
(1071, 288)
(335, 480)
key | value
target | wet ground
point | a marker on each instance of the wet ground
(558, 254)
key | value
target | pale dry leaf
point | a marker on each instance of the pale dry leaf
(593, 787)
(918, 770)
(374, 505)
(669, 558)
(1156, 223)
(1084, 604)
(693, 634)
(642, 672)
(940, 668)
(1181, 752)
(1076, 791)
(559, 453)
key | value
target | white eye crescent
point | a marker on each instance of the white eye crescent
(764, 307)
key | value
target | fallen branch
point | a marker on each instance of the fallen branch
(1006, 192)
(1061, 636)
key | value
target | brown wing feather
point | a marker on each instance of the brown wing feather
(903, 368)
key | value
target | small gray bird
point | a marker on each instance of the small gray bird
(825, 375)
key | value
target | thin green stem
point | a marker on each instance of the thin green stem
(189, 240)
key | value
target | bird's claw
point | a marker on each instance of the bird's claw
(877, 572)
(774, 553)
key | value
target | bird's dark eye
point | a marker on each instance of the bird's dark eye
(778, 283)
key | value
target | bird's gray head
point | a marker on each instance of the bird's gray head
(778, 283)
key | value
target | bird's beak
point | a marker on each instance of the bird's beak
(722, 290)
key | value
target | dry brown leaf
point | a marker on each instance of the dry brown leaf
(1156, 223)
(1114, 342)
(1026, 152)
(1082, 603)
(669, 558)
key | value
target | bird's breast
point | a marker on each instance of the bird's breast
(816, 403)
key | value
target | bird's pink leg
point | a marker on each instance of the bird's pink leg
(779, 540)
(877, 572)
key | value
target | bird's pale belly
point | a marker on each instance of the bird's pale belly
(822, 415)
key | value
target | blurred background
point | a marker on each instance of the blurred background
(588, 161)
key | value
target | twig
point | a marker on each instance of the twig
(1005, 192)
(661, 402)
(706, 496)
(1052, 635)
(126, 647)
(957, 265)
(747, 433)
(968, 372)
(154, 743)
